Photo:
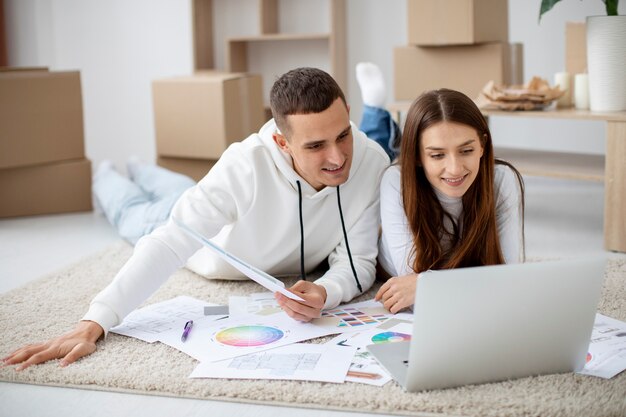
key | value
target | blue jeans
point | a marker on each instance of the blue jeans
(138, 207)
(378, 125)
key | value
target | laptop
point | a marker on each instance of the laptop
(494, 323)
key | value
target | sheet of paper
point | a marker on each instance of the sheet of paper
(262, 304)
(149, 322)
(606, 356)
(258, 276)
(364, 369)
(298, 361)
(232, 337)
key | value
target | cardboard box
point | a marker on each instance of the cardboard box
(463, 68)
(58, 187)
(41, 117)
(575, 48)
(457, 22)
(198, 116)
(194, 168)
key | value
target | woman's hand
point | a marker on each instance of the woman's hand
(69, 347)
(398, 293)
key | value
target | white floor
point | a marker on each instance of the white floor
(563, 219)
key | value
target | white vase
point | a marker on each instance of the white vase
(606, 62)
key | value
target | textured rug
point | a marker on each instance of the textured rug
(51, 306)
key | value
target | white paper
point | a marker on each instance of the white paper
(258, 276)
(376, 335)
(607, 349)
(364, 369)
(149, 322)
(262, 304)
(299, 361)
(232, 337)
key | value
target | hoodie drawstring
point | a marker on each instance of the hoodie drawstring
(345, 235)
(302, 273)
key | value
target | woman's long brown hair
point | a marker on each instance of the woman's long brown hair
(477, 243)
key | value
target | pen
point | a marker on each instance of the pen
(186, 330)
(367, 375)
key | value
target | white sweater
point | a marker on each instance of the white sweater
(396, 240)
(248, 205)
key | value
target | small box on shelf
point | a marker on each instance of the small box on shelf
(199, 115)
(463, 68)
(457, 22)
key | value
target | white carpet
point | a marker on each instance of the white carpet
(51, 306)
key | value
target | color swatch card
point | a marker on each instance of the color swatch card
(355, 316)
(232, 337)
(298, 361)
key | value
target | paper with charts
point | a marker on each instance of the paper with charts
(348, 317)
(299, 361)
(151, 322)
(364, 368)
(606, 356)
(232, 337)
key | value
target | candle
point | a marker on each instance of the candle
(564, 81)
(581, 91)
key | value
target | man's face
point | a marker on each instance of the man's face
(320, 145)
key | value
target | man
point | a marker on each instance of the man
(274, 200)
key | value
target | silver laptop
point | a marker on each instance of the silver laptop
(493, 323)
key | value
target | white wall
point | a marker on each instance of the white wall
(121, 45)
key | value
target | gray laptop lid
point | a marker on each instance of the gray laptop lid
(484, 324)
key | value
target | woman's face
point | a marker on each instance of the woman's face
(450, 155)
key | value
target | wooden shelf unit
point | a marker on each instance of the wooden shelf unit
(237, 47)
(610, 168)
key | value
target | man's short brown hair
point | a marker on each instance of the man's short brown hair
(302, 91)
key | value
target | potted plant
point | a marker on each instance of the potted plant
(606, 57)
(611, 6)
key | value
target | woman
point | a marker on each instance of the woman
(447, 203)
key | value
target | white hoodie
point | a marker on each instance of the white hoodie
(248, 205)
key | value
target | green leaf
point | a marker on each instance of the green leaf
(611, 7)
(549, 4)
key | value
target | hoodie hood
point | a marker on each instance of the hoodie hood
(284, 162)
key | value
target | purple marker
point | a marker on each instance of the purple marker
(186, 330)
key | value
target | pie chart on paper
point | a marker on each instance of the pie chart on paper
(249, 336)
(390, 337)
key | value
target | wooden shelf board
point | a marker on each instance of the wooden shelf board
(572, 114)
(281, 37)
(554, 164)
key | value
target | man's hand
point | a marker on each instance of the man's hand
(398, 293)
(311, 308)
(69, 347)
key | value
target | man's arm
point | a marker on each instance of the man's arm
(207, 207)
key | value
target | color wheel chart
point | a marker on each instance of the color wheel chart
(249, 336)
(390, 337)
(353, 317)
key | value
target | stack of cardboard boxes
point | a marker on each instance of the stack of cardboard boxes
(456, 44)
(43, 168)
(198, 116)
